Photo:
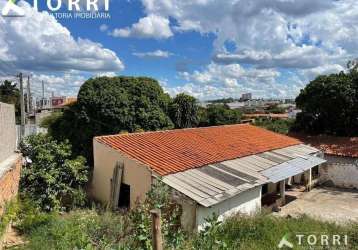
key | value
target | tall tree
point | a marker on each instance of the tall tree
(219, 114)
(109, 105)
(329, 105)
(10, 94)
(184, 111)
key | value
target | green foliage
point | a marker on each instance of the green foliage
(278, 126)
(10, 94)
(91, 229)
(263, 232)
(275, 109)
(219, 114)
(209, 235)
(9, 213)
(52, 178)
(184, 111)
(224, 100)
(330, 105)
(110, 105)
(158, 197)
(51, 119)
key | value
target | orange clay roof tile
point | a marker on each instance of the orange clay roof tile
(172, 151)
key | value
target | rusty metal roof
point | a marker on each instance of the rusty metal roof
(217, 182)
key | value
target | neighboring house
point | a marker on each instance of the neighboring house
(341, 153)
(10, 161)
(222, 170)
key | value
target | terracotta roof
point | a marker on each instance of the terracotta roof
(332, 145)
(172, 151)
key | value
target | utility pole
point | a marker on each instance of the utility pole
(22, 107)
(28, 103)
(43, 89)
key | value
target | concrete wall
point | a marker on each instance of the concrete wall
(7, 131)
(248, 202)
(340, 172)
(135, 174)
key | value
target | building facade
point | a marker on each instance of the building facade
(222, 170)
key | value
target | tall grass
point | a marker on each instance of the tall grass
(88, 229)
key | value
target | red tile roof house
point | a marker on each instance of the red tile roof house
(223, 169)
(341, 153)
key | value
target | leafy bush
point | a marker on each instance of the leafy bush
(157, 197)
(9, 213)
(51, 177)
(278, 126)
(218, 114)
(51, 119)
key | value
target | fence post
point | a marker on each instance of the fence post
(157, 240)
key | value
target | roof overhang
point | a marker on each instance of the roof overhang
(214, 183)
(291, 168)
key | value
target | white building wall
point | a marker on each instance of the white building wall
(248, 202)
(340, 172)
(7, 131)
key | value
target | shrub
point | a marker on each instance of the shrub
(51, 177)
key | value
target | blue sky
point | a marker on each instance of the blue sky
(207, 48)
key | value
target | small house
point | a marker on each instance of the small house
(222, 170)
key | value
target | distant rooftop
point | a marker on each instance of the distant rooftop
(332, 145)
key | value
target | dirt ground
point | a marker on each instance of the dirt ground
(324, 203)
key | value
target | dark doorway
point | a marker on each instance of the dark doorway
(124, 196)
(264, 189)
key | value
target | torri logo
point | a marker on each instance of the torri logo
(11, 9)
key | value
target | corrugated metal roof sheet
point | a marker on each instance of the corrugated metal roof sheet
(291, 168)
(217, 182)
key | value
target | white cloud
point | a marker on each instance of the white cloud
(310, 74)
(103, 27)
(217, 81)
(297, 38)
(153, 54)
(37, 42)
(66, 84)
(151, 26)
(270, 33)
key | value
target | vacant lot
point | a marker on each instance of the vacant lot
(328, 204)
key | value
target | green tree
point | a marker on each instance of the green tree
(184, 111)
(278, 126)
(109, 105)
(219, 114)
(52, 177)
(10, 94)
(329, 105)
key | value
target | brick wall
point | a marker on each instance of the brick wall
(9, 181)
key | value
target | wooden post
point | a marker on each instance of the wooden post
(157, 240)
